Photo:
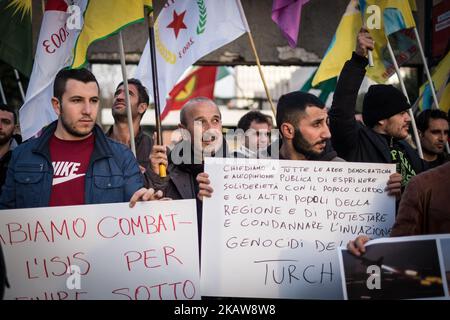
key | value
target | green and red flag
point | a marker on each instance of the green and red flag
(198, 83)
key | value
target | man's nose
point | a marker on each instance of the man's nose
(87, 108)
(407, 117)
(326, 134)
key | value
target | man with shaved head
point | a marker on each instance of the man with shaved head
(201, 126)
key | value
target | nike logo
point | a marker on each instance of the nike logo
(65, 179)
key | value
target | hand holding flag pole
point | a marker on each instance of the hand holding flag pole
(151, 36)
(369, 51)
(370, 57)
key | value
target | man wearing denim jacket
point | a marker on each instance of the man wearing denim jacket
(72, 162)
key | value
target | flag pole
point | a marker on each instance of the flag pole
(402, 85)
(127, 93)
(369, 52)
(415, 106)
(430, 81)
(19, 83)
(427, 71)
(151, 37)
(252, 44)
(2, 93)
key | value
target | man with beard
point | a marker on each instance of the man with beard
(120, 132)
(433, 132)
(385, 114)
(201, 125)
(303, 123)
(8, 140)
(72, 162)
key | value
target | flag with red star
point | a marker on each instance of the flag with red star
(185, 31)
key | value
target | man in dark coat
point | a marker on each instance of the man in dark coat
(385, 114)
(201, 124)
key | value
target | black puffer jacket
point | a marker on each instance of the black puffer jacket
(352, 140)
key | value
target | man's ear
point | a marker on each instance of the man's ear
(183, 132)
(287, 130)
(56, 106)
(142, 107)
(381, 123)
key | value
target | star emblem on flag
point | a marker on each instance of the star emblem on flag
(177, 23)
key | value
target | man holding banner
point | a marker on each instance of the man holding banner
(201, 124)
(385, 116)
(72, 162)
(303, 123)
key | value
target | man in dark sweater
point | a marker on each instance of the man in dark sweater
(385, 114)
(8, 140)
(433, 131)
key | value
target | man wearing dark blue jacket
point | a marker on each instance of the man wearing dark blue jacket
(72, 162)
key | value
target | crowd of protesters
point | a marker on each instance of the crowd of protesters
(73, 162)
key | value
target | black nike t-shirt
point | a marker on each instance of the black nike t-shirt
(70, 160)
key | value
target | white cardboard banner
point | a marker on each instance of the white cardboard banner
(272, 227)
(147, 252)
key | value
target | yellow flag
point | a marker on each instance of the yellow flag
(441, 83)
(396, 15)
(413, 5)
(342, 45)
(103, 18)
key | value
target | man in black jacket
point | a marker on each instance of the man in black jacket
(8, 140)
(385, 114)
